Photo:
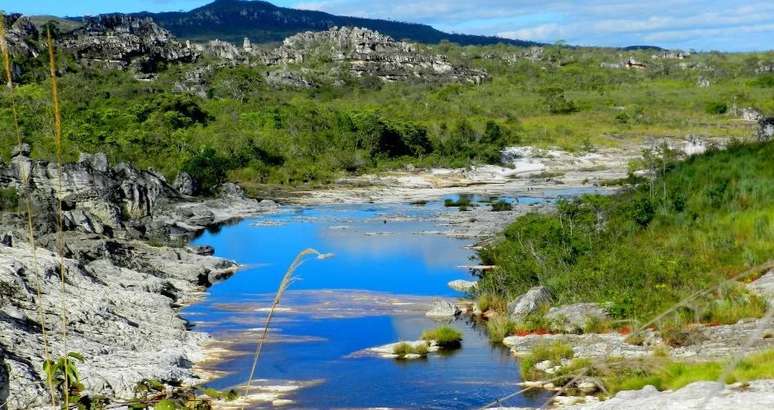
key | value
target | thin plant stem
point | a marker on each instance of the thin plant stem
(26, 182)
(287, 280)
(60, 227)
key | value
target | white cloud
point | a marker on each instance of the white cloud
(675, 23)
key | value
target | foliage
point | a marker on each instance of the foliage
(501, 206)
(716, 108)
(63, 374)
(666, 374)
(445, 336)
(692, 226)
(499, 327)
(262, 135)
(403, 349)
(9, 199)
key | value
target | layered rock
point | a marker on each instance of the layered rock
(355, 51)
(120, 300)
(369, 53)
(120, 296)
(121, 42)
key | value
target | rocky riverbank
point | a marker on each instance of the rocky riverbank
(115, 294)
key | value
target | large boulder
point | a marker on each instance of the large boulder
(530, 302)
(575, 318)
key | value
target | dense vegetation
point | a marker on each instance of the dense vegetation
(254, 134)
(693, 225)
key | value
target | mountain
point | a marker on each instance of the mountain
(232, 20)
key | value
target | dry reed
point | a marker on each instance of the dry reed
(60, 228)
(287, 280)
(7, 65)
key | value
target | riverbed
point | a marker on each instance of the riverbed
(391, 262)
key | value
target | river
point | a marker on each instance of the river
(390, 263)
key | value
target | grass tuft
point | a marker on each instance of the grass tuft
(445, 336)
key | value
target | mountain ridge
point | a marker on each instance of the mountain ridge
(264, 22)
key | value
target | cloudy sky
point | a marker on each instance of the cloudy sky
(729, 25)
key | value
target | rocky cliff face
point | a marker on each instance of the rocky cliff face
(120, 41)
(120, 294)
(354, 51)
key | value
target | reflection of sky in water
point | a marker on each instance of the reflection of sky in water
(370, 255)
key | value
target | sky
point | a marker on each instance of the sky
(727, 25)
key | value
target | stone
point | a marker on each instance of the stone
(97, 161)
(185, 184)
(530, 302)
(574, 318)
(544, 365)
(463, 285)
(757, 395)
(21, 150)
(205, 250)
(443, 309)
(119, 41)
(587, 387)
(751, 114)
(366, 53)
(766, 129)
(764, 286)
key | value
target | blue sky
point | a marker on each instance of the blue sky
(728, 25)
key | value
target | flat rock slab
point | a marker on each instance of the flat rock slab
(757, 395)
(585, 346)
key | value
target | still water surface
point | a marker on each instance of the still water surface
(385, 264)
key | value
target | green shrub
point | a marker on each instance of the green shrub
(402, 349)
(445, 336)
(492, 301)
(716, 108)
(499, 327)
(9, 199)
(464, 201)
(501, 206)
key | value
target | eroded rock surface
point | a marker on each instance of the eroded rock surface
(120, 41)
(120, 295)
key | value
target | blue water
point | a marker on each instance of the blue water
(380, 250)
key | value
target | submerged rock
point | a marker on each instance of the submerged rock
(530, 302)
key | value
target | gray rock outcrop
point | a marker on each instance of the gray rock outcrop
(530, 302)
(120, 300)
(121, 42)
(443, 309)
(575, 318)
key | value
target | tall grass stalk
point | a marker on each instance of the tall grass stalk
(287, 280)
(60, 228)
(7, 64)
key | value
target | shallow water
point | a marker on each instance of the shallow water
(374, 291)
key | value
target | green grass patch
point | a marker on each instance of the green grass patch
(446, 337)
(554, 352)
(403, 349)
